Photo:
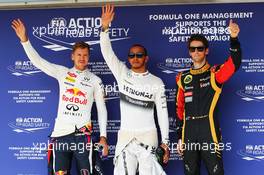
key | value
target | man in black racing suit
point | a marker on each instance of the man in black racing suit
(198, 91)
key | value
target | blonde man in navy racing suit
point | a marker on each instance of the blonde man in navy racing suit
(79, 88)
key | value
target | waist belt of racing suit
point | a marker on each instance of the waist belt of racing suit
(152, 149)
(196, 117)
(85, 130)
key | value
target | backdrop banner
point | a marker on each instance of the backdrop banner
(29, 98)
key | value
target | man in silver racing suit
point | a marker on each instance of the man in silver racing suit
(139, 91)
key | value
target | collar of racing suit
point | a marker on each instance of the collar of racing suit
(204, 68)
(79, 71)
(139, 74)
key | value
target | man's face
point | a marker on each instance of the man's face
(137, 58)
(198, 51)
(80, 58)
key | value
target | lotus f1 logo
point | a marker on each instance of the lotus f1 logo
(72, 107)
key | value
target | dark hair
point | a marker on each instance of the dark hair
(198, 37)
(139, 45)
(82, 45)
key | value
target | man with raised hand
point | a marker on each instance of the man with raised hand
(79, 88)
(198, 91)
(139, 91)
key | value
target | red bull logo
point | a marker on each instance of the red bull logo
(74, 100)
(70, 91)
(76, 94)
(81, 94)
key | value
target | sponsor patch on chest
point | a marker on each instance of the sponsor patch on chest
(203, 85)
(188, 99)
(205, 79)
(187, 94)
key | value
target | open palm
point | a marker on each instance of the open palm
(20, 29)
(107, 15)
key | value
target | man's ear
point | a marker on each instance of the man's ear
(206, 51)
(146, 59)
(72, 56)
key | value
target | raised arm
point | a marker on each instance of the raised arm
(107, 16)
(35, 58)
(232, 64)
(115, 65)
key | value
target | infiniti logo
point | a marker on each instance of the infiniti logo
(86, 79)
(72, 107)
